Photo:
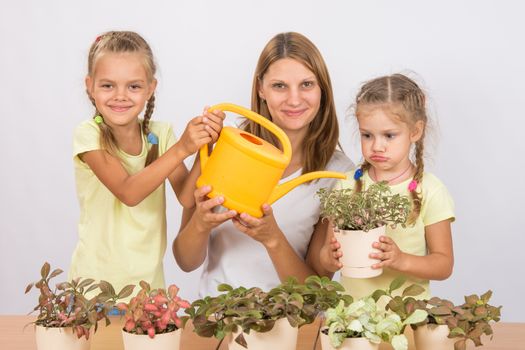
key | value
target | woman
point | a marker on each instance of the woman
(292, 88)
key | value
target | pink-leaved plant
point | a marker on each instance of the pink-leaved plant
(154, 311)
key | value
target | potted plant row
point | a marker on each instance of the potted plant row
(447, 326)
(67, 315)
(360, 218)
(254, 319)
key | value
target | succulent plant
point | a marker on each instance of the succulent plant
(154, 311)
(371, 208)
(68, 305)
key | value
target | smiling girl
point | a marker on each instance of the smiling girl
(121, 163)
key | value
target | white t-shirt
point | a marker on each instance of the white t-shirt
(239, 260)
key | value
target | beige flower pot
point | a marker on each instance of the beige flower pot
(281, 337)
(163, 341)
(356, 246)
(53, 338)
(349, 344)
(433, 337)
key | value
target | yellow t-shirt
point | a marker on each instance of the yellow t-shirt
(117, 243)
(437, 206)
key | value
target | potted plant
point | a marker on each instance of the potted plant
(151, 318)
(360, 218)
(450, 327)
(66, 315)
(364, 325)
(254, 319)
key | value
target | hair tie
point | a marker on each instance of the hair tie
(412, 186)
(98, 119)
(153, 139)
(358, 174)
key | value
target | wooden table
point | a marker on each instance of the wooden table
(13, 336)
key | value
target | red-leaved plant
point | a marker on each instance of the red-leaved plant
(154, 311)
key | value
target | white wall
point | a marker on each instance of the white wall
(468, 54)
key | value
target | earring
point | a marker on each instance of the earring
(98, 119)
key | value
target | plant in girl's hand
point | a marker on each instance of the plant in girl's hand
(371, 208)
(154, 311)
(68, 304)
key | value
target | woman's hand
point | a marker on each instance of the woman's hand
(264, 229)
(391, 256)
(204, 217)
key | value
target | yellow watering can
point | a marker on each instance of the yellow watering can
(246, 169)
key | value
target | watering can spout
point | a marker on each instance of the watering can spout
(286, 187)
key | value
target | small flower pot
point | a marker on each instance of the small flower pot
(356, 246)
(282, 336)
(433, 337)
(53, 338)
(162, 341)
(348, 344)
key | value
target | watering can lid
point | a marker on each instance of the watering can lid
(254, 146)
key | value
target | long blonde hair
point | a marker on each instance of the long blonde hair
(407, 100)
(123, 42)
(322, 136)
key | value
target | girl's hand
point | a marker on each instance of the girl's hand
(195, 135)
(264, 229)
(205, 218)
(330, 253)
(391, 256)
(213, 122)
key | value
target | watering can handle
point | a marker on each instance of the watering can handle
(230, 107)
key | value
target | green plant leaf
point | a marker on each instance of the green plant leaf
(396, 283)
(126, 291)
(44, 271)
(413, 290)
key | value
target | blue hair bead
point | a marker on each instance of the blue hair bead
(153, 139)
(358, 174)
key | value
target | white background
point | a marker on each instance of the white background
(469, 55)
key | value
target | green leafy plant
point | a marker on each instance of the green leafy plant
(68, 305)
(154, 311)
(468, 321)
(373, 207)
(364, 319)
(253, 309)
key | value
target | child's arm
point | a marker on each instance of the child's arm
(132, 189)
(183, 183)
(330, 252)
(436, 265)
(323, 252)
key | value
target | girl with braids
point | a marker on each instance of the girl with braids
(392, 122)
(121, 163)
(292, 88)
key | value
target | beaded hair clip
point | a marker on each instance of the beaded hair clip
(412, 186)
(153, 139)
(358, 174)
